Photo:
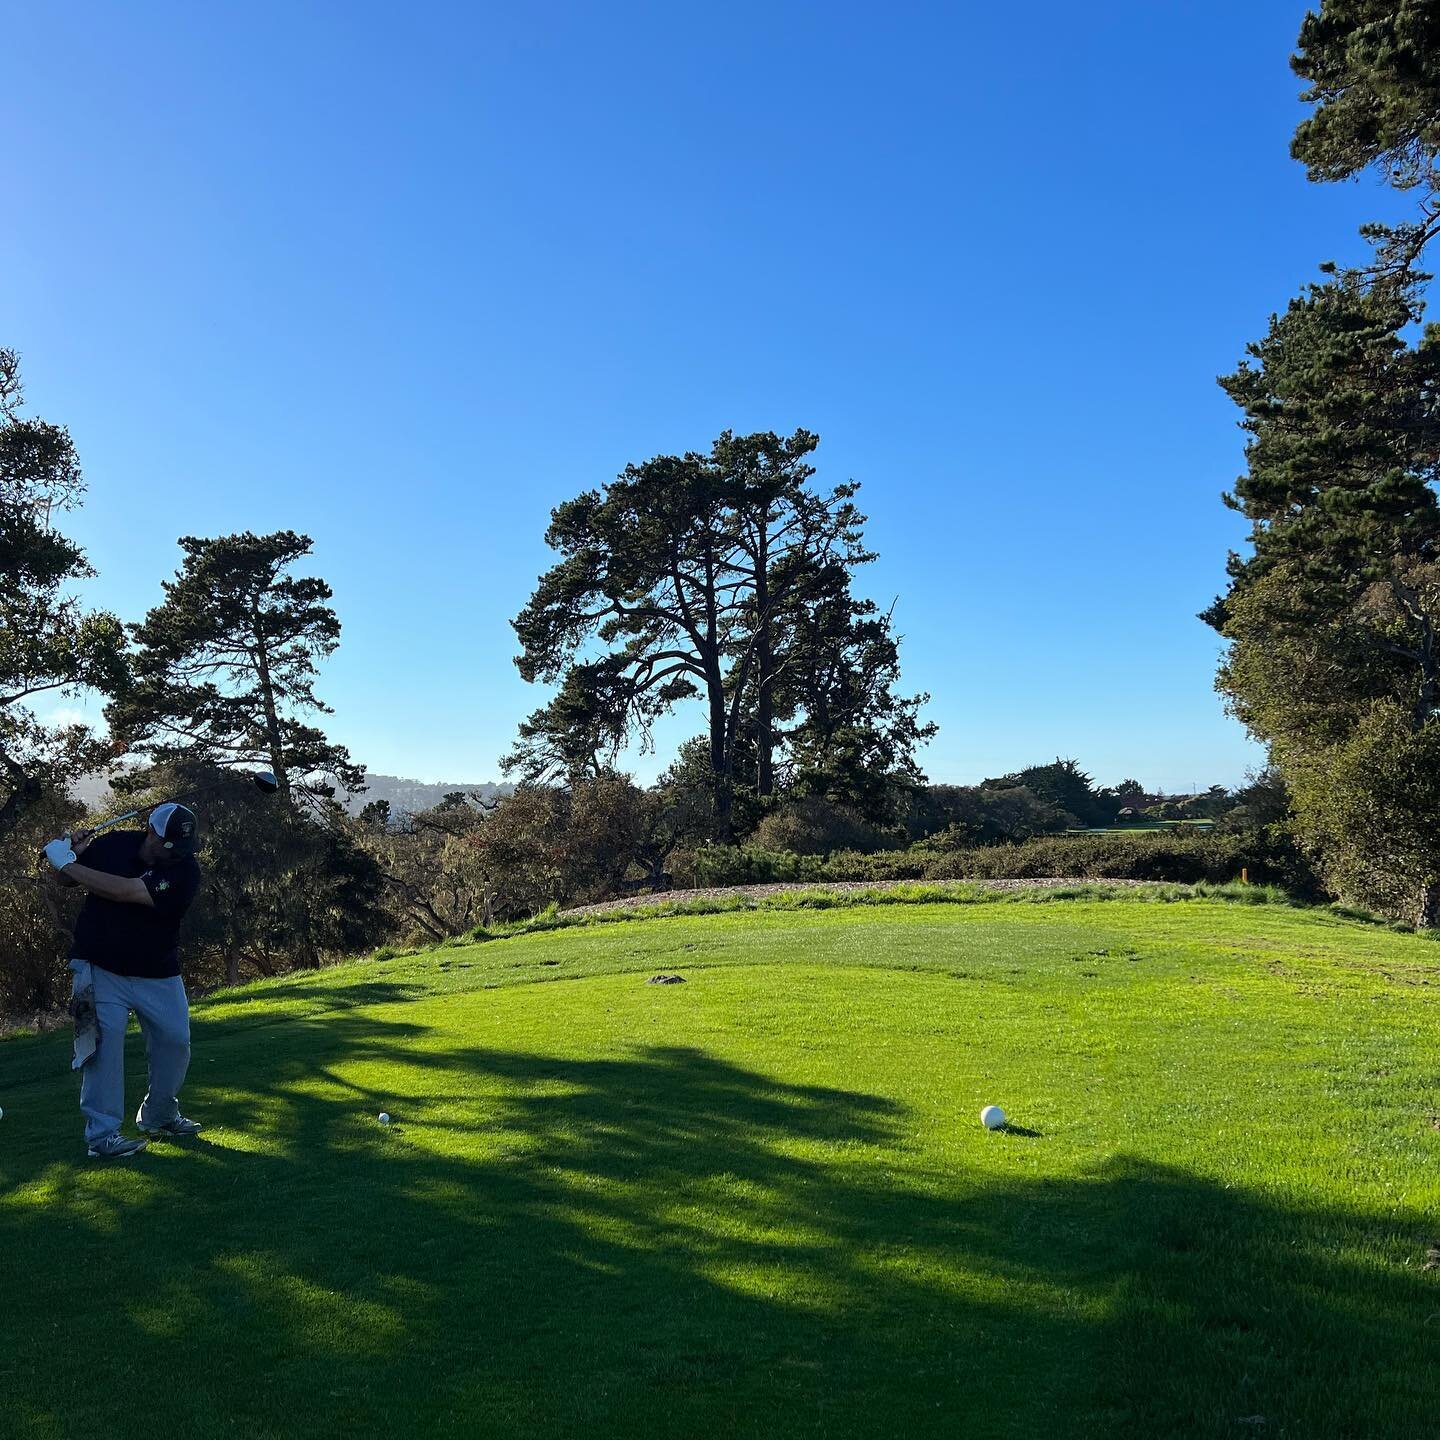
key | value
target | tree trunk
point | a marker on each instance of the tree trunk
(765, 764)
(232, 968)
(724, 804)
(764, 662)
(721, 760)
(1427, 915)
(272, 717)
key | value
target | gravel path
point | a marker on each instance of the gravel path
(667, 897)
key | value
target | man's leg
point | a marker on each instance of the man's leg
(165, 1020)
(102, 1077)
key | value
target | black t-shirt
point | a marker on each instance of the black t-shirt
(129, 939)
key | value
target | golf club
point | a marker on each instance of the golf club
(265, 782)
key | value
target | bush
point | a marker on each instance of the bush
(982, 814)
(891, 865)
(1270, 858)
(35, 916)
(737, 865)
(815, 826)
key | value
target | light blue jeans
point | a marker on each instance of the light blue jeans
(164, 1014)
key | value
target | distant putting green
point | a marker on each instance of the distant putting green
(760, 1203)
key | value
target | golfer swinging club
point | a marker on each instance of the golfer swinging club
(125, 956)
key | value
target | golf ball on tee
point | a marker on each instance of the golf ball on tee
(384, 1117)
(992, 1117)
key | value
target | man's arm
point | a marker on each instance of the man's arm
(129, 890)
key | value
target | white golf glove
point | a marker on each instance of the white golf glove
(59, 853)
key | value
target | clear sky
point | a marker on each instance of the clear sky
(405, 277)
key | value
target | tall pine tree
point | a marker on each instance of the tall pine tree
(1333, 614)
(691, 576)
(225, 666)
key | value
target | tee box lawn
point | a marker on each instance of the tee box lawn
(761, 1203)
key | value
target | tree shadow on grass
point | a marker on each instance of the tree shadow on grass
(665, 1243)
(327, 994)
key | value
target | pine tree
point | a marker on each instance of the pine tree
(1332, 616)
(689, 571)
(225, 666)
(48, 642)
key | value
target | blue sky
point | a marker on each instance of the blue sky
(404, 278)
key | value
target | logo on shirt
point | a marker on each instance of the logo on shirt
(162, 884)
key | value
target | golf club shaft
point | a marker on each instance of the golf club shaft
(264, 781)
(114, 820)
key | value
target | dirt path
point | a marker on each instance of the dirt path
(668, 897)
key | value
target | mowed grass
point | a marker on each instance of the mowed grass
(760, 1203)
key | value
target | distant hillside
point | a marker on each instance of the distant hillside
(92, 791)
(405, 796)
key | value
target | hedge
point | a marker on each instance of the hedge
(1269, 857)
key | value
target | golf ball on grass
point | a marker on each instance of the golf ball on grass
(992, 1117)
(384, 1117)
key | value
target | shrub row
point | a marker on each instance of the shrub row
(1269, 856)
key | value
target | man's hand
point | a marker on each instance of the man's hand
(59, 853)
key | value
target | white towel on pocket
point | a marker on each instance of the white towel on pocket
(82, 1011)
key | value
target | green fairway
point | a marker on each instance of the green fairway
(760, 1203)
